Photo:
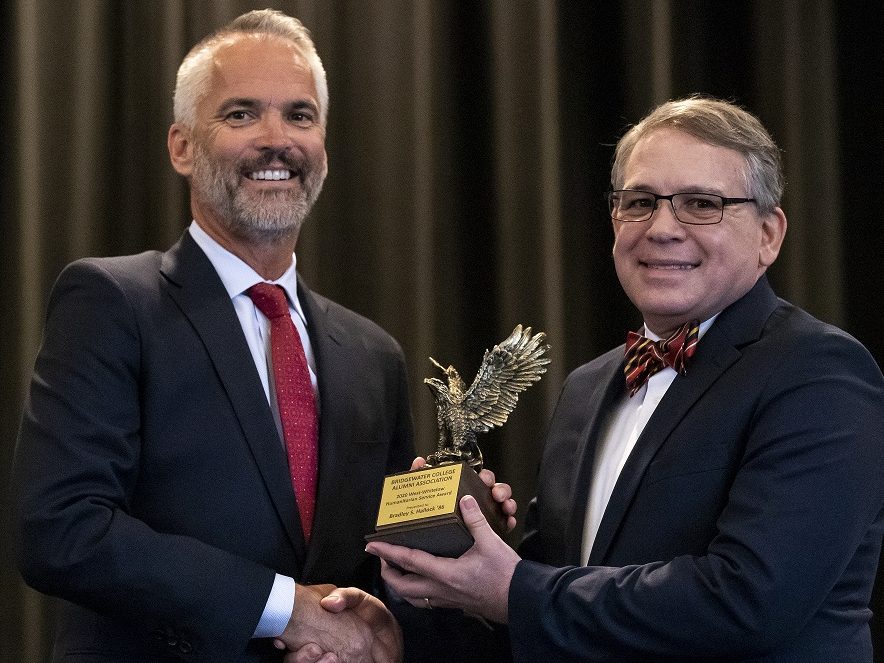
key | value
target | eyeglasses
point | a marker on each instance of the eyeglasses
(696, 209)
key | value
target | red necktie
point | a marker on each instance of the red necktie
(645, 357)
(294, 395)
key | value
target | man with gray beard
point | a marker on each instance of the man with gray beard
(195, 469)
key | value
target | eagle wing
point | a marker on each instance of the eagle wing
(507, 370)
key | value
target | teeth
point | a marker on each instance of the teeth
(271, 175)
(675, 266)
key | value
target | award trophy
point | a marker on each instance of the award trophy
(419, 508)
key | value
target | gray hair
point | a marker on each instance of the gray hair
(195, 72)
(716, 122)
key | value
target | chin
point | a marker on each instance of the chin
(265, 233)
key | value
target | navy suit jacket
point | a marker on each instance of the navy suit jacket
(152, 488)
(746, 524)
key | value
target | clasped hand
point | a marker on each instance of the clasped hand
(340, 625)
(332, 625)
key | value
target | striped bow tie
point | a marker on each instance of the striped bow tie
(645, 357)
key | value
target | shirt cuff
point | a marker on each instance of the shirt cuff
(279, 608)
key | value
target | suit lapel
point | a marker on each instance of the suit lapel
(611, 386)
(199, 293)
(739, 324)
(332, 350)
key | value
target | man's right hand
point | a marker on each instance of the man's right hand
(348, 626)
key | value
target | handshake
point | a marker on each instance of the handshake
(340, 625)
(344, 625)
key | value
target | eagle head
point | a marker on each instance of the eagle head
(455, 383)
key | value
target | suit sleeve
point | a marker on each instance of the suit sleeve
(77, 467)
(804, 506)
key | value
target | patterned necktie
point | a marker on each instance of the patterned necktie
(294, 395)
(645, 357)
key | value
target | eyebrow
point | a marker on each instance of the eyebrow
(691, 188)
(303, 104)
(251, 104)
(237, 102)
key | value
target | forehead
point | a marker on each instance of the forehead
(675, 160)
(260, 67)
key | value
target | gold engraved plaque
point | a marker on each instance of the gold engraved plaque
(419, 494)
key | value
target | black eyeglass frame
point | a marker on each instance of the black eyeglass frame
(609, 196)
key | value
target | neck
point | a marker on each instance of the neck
(665, 330)
(270, 261)
(270, 258)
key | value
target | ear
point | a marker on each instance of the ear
(773, 231)
(180, 145)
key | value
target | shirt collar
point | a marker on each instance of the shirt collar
(237, 276)
(704, 327)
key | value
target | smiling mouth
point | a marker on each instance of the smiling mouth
(671, 266)
(271, 175)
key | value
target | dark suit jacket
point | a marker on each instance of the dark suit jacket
(152, 486)
(746, 524)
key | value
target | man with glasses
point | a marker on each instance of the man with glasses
(713, 489)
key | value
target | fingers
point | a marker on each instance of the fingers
(473, 517)
(295, 657)
(423, 563)
(310, 624)
(310, 653)
(502, 493)
(343, 598)
(406, 559)
(336, 625)
(389, 644)
(487, 476)
(418, 463)
(409, 586)
(475, 520)
(388, 641)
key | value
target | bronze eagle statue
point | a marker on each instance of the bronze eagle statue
(508, 369)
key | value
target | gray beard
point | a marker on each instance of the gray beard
(260, 217)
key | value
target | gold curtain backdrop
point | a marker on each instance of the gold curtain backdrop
(469, 146)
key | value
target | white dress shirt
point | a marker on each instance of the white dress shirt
(238, 277)
(618, 438)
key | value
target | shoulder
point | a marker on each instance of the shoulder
(796, 340)
(123, 271)
(108, 282)
(805, 379)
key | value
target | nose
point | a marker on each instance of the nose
(273, 132)
(663, 221)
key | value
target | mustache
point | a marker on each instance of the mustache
(273, 159)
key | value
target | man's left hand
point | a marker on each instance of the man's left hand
(477, 582)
